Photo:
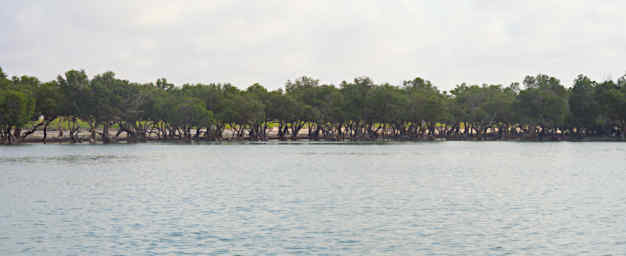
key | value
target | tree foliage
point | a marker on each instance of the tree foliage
(355, 109)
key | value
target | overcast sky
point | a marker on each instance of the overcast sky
(243, 42)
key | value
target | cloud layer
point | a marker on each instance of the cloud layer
(243, 42)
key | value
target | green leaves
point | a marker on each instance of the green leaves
(483, 104)
(16, 108)
(544, 102)
(359, 107)
(17, 102)
(189, 111)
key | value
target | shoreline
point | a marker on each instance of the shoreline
(85, 139)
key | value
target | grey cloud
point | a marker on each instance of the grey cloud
(272, 41)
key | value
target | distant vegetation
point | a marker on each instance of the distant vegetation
(111, 109)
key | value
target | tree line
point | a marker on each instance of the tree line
(538, 107)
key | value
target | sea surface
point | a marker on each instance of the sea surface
(436, 198)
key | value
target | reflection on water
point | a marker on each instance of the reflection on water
(310, 153)
(454, 198)
(66, 158)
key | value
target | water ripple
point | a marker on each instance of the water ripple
(455, 198)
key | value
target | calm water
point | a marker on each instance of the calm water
(452, 198)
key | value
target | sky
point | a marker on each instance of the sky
(270, 42)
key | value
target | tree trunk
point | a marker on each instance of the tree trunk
(105, 133)
(60, 128)
(9, 135)
(93, 126)
(45, 132)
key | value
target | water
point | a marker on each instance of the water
(452, 198)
